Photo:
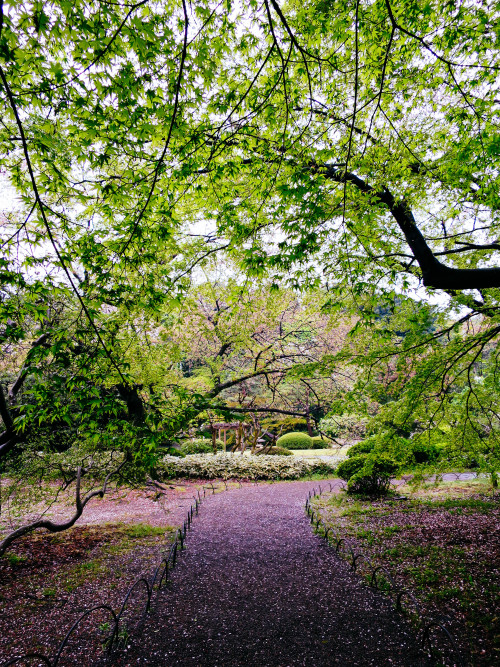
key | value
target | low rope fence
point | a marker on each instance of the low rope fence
(117, 627)
(113, 629)
(435, 638)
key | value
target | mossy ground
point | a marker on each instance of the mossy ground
(48, 566)
(441, 542)
(46, 578)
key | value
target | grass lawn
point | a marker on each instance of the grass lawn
(440, 541)
(338, 452)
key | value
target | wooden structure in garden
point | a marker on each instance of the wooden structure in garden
(243, 429)
(224, 427)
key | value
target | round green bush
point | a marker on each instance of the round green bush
(321, 443)
(374, 478)
(295, 440)
(364, 447)
(200, 446)
(351, 466)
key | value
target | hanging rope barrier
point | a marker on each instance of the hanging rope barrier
(121, 625)
(382, 580)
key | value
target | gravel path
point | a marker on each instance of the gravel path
(256, 587)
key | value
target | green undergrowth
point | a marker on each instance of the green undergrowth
(439, 542)
(15, 559)
(136, 531)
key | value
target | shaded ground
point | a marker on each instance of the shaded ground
(256, 587)
(47, 580)
(443, 544)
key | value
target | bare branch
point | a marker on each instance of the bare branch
(59, 527)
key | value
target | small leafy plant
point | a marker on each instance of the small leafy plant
(368, 474)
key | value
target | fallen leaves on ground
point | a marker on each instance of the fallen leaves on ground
(445, 550)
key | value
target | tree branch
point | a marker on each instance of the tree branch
(58, 527)
(434, 273)
(8, 437)
(24, 370)
(249, 409)
(231, 383)
(5, 412)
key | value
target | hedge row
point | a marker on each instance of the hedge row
(237, 466)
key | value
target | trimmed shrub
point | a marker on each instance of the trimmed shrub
(295, 440)
(196, 447)
(369, 474)
(230, 466)
(321, 443)
(275, 451)
(364, 447)
(200, 446)
(351, 466)
(374, 477)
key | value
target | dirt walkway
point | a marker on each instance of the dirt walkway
(256, 587)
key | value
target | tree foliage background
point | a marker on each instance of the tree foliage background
(345, 147)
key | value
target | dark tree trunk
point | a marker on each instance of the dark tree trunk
(135, 406)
